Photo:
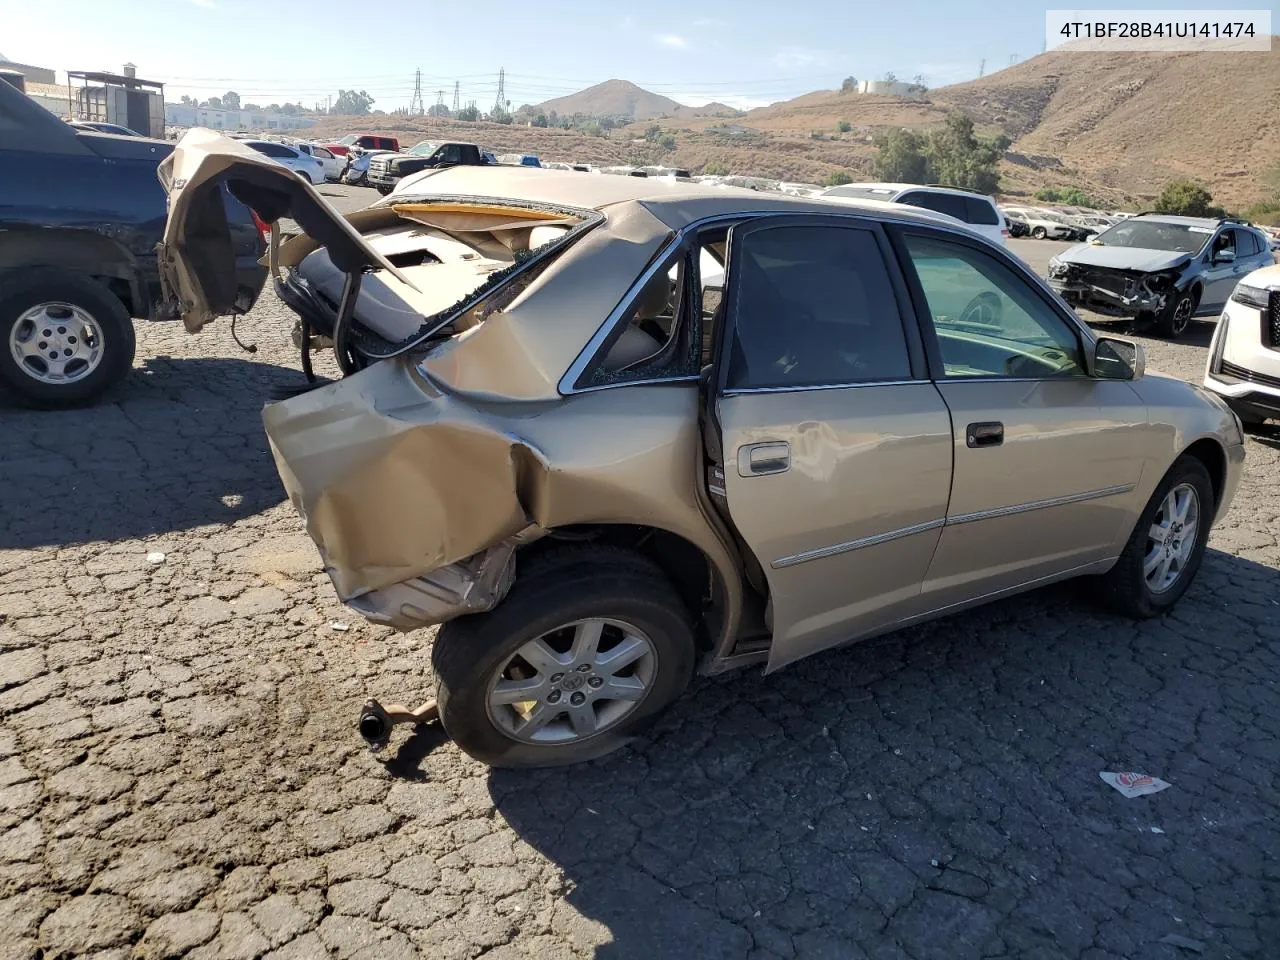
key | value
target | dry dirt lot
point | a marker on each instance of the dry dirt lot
(180, 774)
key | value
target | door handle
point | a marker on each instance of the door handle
(759, 459)
(985, 434)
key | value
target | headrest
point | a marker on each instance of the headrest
(655, 297)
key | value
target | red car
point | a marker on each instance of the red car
(340, 148)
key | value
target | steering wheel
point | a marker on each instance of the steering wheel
(985, 309)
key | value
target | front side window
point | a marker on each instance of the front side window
(989, 321)
(814, 306)
(452, 153)
(1225, 242)
(322, 153)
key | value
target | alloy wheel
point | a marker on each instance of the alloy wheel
(573, 682)
(56, 343)
(1181, 315)
(1171, 541)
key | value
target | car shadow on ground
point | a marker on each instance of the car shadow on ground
(935, 793)
(178, 444)
(1198, 334)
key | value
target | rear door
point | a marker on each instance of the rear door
(834, 446)
(1047, 457)
(1220, 275)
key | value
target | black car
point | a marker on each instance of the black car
(81, 214)
(386, 170)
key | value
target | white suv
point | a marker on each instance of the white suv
(978, 212)
(1244, 356)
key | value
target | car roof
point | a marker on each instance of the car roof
(676, 203)
(902, 187)
(1181, 221)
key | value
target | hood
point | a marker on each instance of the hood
(197, 262)
(1137, 259)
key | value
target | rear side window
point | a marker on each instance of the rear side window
(948, 203)
(1247, 244)
(980, 211)
(814, 306)
(273, 150)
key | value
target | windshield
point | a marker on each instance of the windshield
(1154, 235)
(349, 139)
(424, 149)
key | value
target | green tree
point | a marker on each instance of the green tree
(836, 179)
(844, 126)
(231, 100)
(652, 132)
(214, 103)
(470, 113)
(956, 158)
(714, 168)
(438, 110)
(1187, 199)
(1071, 196)
(901, 157)
(849, 85)
(540, 120)
(352, 103)
(668, 142)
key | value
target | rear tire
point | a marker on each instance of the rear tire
(474, 654)
(79, 298)
(1127, 586)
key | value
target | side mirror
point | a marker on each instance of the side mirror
(1224, 256)
(1116, 359)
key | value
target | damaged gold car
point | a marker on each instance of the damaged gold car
(610, 430)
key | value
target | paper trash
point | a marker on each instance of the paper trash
(1133, 784)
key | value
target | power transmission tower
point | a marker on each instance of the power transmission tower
(501, 102)
(439, 111)
(455, 97)
(982, 66)
(415, 105)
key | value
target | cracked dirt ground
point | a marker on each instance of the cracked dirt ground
(180, 774)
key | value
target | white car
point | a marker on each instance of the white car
(333, 165)
(1044, 224)
(304, 165)
(978, 211)
(1244, 355)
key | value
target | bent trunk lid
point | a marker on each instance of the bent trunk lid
(196, 256)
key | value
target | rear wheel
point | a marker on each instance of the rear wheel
(1178, 311)
(66, 337)
(588, 647)
(1167, 545)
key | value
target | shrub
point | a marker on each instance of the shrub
(844, 126)
(1071, 196)
(836, 179)
(714, 168)
(1188, 199)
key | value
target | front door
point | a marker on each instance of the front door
(1223, 269)
(835, 448)
(1047, 457)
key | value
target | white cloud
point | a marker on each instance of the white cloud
(800, 58)
(673, 41)
(206, 4)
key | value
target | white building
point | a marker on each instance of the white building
(189, 115)
(891, 88)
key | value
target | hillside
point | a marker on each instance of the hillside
(614, 98)
(1119, 126)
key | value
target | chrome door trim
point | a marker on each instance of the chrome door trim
(835, 549)
(1039, 504)
(821, 553)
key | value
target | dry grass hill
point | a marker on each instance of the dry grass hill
(1118, 125)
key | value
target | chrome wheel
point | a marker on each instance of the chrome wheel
(573, 682)
(56, 343)
(1171, 541)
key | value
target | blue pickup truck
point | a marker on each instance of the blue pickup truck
(81, 214)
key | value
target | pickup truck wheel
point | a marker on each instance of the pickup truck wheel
(1178, 311)
(588, 647)
(1167, 544)
(66, 338)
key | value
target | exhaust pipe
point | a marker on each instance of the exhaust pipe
(376, 721)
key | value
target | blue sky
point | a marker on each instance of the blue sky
(747, 53)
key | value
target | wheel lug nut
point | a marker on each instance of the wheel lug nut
(557, 677)
(553, 696)
(595, 682)
(578, 699)
(585, 668)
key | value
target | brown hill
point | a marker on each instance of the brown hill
(614, 98)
